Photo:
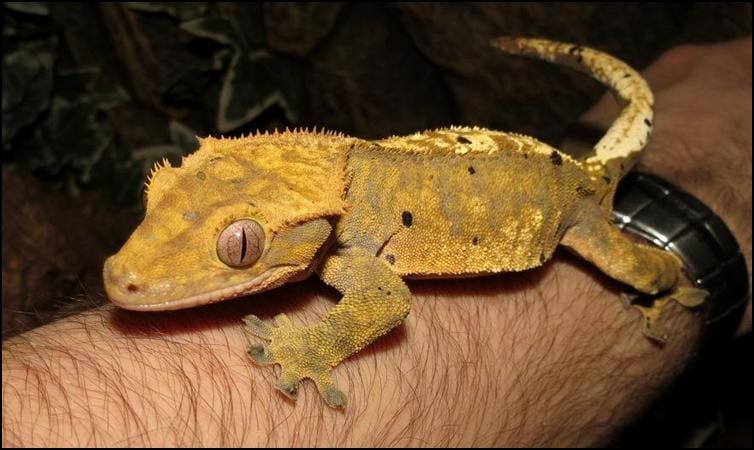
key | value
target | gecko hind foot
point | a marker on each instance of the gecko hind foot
(295, 349)
(652, 308)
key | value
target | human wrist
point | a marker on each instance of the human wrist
(556, 355)
(718, 187)
(600, 371)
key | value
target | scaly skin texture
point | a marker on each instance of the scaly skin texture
(244, 215)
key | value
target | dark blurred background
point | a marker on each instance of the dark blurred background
(94, 94)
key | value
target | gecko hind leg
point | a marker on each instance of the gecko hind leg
(647, 269)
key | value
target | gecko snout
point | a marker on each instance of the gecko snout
(120, 283)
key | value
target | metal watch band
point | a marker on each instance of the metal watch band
(676, 221)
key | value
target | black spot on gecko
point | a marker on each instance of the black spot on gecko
(132, 287)
(627, 75)
(542, 258)
(584, 191)
(647, 122)
(471, 170)
(407, 218)
(607, 179)
(556, 158)
(475, 241)
(391, 260)
(463, 140)
(526, 156)
(201, 175)
(576, 50)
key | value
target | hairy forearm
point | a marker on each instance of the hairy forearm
(544, 357)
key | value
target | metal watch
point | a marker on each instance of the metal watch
(676, 221)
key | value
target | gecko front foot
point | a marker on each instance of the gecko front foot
(300, 353)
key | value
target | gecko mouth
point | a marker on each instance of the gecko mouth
(270, 279)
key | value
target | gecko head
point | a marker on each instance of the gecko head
(234, 252)
(229, 222)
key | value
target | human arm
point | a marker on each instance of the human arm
(511, 360)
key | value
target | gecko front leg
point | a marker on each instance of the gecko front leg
(375, 300)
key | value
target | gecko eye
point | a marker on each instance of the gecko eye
(241, 243)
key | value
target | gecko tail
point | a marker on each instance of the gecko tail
(623, 142)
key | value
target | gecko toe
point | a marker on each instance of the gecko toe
(690, 297)
(335, 398)
(260, 355)
(656, 333)
(289, 388)
(653, 327)
(282, 321)
(257, 327)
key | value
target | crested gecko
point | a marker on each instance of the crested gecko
(244, 215)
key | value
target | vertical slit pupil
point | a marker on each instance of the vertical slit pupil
(243, 245)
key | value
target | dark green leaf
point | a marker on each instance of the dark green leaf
(195, 83)
(179, 10)
(36, 8)
(215, 28)
(184, 137)
(27, 83)
(251, 85)
(72, 84)
(78, 137)
(111, 98)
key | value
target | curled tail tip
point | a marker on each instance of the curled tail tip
(502, 41)
(507, 43)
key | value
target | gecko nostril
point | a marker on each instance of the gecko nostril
(132, 287)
